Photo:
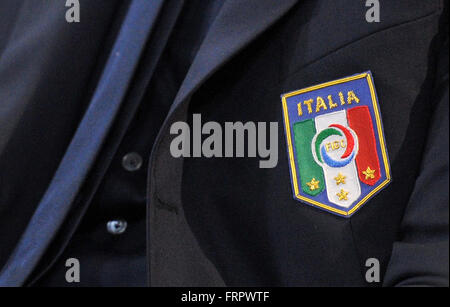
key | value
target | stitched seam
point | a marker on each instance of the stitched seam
(165, 206)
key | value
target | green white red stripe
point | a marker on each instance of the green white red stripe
(336, 152)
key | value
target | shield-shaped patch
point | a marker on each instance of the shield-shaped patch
(336, 146)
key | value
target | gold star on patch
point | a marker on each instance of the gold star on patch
(342, 195)
(313, 184)
(369, 173)
(340, 179)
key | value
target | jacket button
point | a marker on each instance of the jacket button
(132, 162)
(116, 227)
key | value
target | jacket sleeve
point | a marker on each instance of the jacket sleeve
(421, 257)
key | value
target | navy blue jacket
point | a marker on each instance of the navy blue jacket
(215, 222)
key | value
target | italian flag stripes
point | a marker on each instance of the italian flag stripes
(337, 152)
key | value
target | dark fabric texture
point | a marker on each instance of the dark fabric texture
(47, 72)
(215, 222)
(121, 260)
(86, 142)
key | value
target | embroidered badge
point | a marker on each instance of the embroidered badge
(337, 153)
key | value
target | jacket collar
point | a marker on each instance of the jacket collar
(237, 24)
